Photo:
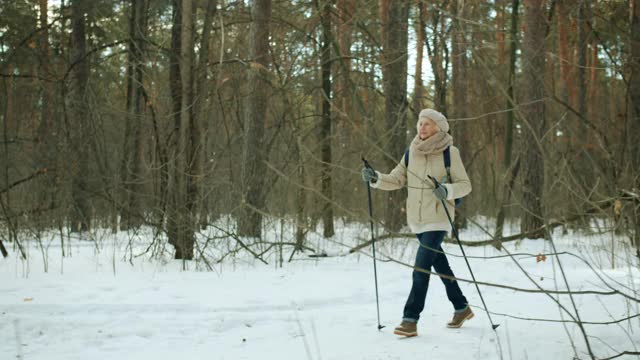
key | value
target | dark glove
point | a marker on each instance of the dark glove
(440, 192)
(369, 175)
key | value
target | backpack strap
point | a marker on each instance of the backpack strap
(447, 162)
(406, 158)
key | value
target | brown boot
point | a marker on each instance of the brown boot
(406, 328)
(460, 317)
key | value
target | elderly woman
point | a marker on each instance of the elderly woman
(429, 151)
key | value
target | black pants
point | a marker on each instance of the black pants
(425, 259)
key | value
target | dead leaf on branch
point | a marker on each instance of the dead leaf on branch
(617, 207)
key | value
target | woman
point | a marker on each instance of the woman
(425, 214)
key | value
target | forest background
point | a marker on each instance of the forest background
(175, 114)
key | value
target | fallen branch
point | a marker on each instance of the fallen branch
(241, 243)
(247, 246)
(615, 321)
(622, 354)
(540, 290)
(494, 241)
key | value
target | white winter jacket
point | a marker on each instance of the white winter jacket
(424, 211)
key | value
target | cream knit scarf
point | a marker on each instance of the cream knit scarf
(437, 143)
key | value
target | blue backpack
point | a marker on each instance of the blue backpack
(447, 165)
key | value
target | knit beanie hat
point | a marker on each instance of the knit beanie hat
(436, 116)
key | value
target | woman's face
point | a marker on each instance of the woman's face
(428, 128)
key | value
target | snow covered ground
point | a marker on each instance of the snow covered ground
(96, 304)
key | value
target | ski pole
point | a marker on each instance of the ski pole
(373, 244)
(455, 233)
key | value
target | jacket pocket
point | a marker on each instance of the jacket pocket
(411, 205)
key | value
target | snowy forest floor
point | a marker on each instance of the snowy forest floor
(109, 299)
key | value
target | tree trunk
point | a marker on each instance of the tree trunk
(184, 250)
(634, 81)
(8, 124)
(45, 132)
(301, 197)
(438, 53)
(563, 48)
(324, 8)
(253, 155)
(634, 100)
(533, 108)
(175, 88)
(418, 86)
(581, 165)
(198, 133)
(394, 85)
(511, 171)
(344, 90)
(46, 138)
(180, 221)
(77, 105)
(583, 41)
(459, 80)
(593, 80)
(132, 177)
(501, 14)
(3, 250)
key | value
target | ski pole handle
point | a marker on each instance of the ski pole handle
(435, 182)
(366, 163)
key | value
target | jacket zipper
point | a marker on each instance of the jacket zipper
(422, 185)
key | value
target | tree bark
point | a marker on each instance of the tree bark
(132, 214)
(344, 90)
(199, 133)
(634, 80)
(634, 101)
(418, 86)
(533, 55)
(583, 41)
(563, 48)
(501, 14)
(8, 124)
(459, 80)
(175, 88)
(47, 132)
(511, 171)
(253, 155)
(438, 53)
(184, 250)
(580, 165)
(301, 197)
(77, 105)
(180, 220)
(324, 8)
(394, 84)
